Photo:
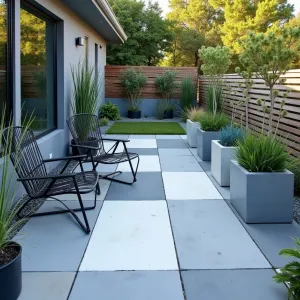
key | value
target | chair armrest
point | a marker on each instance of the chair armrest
(54, 176)
(85, 147)
(116, 140)
(77, 157)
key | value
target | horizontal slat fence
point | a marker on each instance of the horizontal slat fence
(114, 88)
(289, 127)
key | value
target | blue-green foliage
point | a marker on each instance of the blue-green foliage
(229, 136)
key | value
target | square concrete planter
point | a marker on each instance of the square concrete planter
(204, 139)
(262, 197)
(220, 162)
(191, 132)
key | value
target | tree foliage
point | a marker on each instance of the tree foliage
(149, 35)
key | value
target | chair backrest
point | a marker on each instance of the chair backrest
(85, 130)
(26, 157)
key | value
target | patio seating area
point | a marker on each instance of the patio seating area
(171, 235)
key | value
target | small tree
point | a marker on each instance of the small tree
(270, 56)
(133, 81)
(216, 61)
(166, 85)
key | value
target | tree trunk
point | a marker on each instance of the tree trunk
(271, 112)
(196, 59)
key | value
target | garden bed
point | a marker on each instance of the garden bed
(146, 128)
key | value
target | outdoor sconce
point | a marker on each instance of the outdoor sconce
(79, 41)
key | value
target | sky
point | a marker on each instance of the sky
(164, 5)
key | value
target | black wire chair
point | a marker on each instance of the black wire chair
(38, 183)
(86, 133)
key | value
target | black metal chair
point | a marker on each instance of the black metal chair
(85, 130)
(38, 183)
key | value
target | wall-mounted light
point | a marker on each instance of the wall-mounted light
(100, 47)
(79, 41)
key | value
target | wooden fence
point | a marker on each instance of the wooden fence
(289, 127)
(114, 88)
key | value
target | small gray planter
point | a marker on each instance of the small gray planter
(204, 139)
(220, 162)
(191, 132)
(262, 197)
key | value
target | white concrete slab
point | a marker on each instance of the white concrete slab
(148, 163)
(167, 137)
(189, 186)
(141, 136)
(131, 235)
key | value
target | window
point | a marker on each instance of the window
(38, 71)
(3, 56)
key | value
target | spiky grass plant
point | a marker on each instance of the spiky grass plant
(229, 136)
(188, 92)
(211, 122)
(260, 153)
(194, 114)
(87, 88)
(290, 273)
(9, 223)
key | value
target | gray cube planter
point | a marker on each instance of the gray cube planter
(191, 132)
(262, 197)
(204, 139)
(220, 162)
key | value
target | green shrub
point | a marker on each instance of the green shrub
(230, 135)
(290, 273)
(293, 165)
(259, 153)
(103, 121)
(187, 93)
(133, 81)
(109, 111)
(209, 122)
(210, 98)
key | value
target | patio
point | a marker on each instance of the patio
(172, 235)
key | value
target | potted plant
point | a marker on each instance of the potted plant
(133, 81)
(261, 189)
(188, 93)
(87, 88)
(223, 151)
(166, 85)
(210, 125)
(10, 251)
(192, 124)
(290, 273)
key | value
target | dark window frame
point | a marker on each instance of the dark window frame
(40, 12)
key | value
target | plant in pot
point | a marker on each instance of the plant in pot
(166, 85)
(210, 125)
(87, 88)
(223, 151)
(133, 82)
(290, 273)
(192, 124)
(10, 250)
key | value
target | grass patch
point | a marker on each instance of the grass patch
(145, 128)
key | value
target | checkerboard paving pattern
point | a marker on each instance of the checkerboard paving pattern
(171, 235)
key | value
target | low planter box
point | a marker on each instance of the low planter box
(262, 197)
(204, 139)
(132, 114)
(191, 132)
(220, 162)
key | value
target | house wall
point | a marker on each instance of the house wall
(69, 28)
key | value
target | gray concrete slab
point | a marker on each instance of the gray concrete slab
(141, 136)
(171, 143)
(224, 191)
(149, 186)
(46, 285)
(144, 151)
(116, 136)
(179, 164)
(174, 152)
(141, 285)
(232, 285)
(208, 236)
(55, 243)
(168, 137)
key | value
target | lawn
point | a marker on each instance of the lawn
(145, 128)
